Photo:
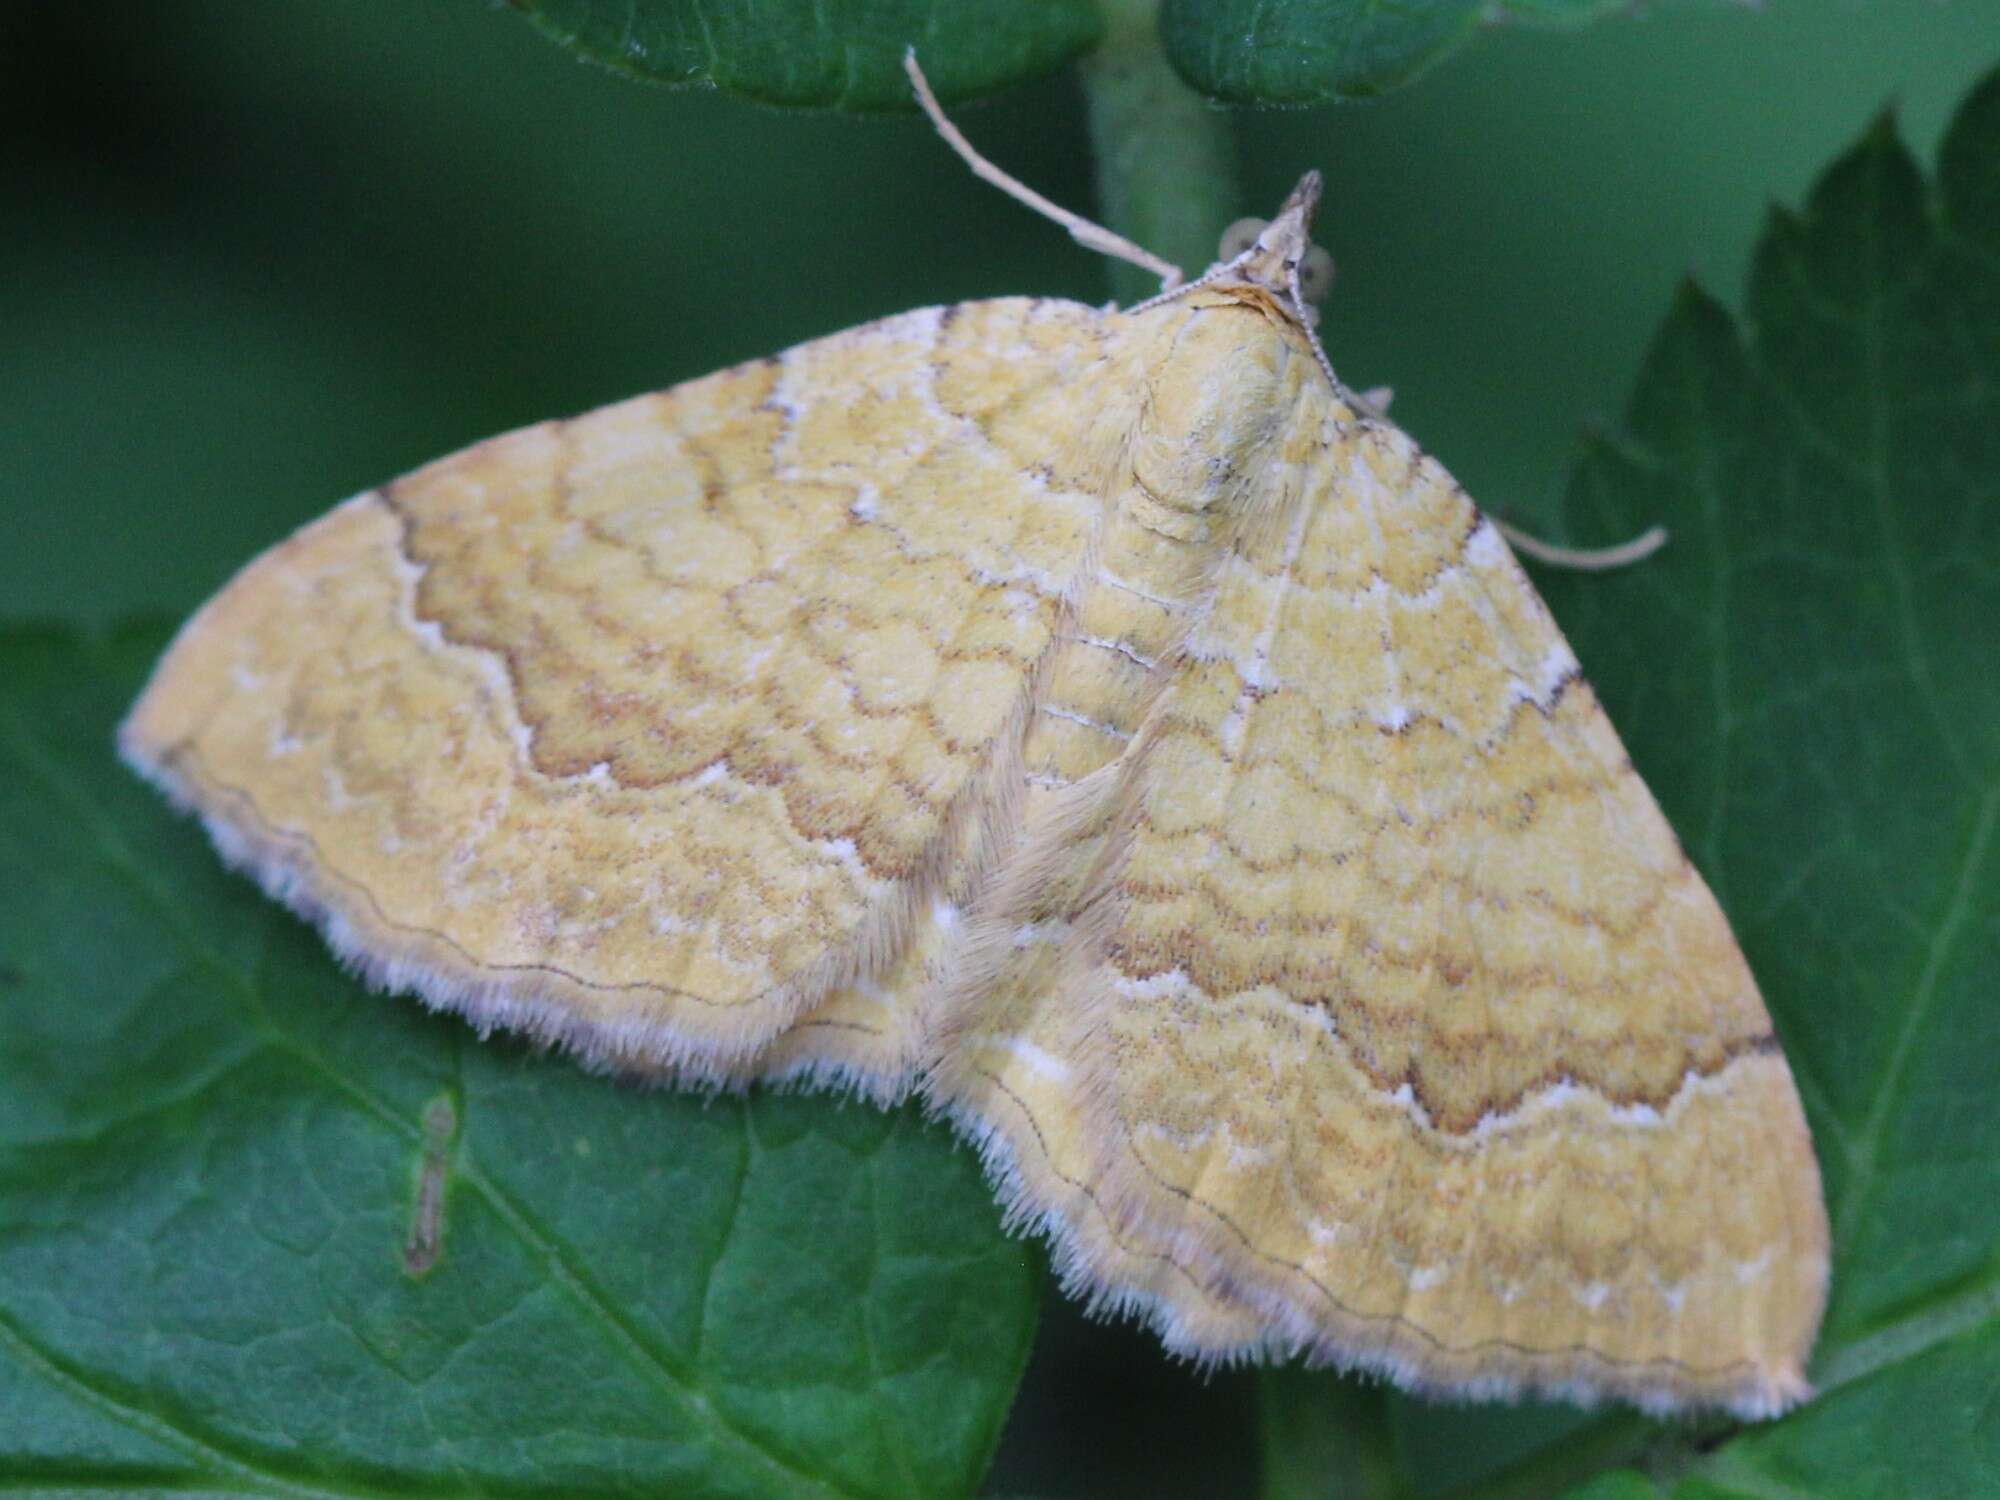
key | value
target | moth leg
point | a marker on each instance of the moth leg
(1584, 559)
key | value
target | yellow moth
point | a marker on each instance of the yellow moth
(1107, 726)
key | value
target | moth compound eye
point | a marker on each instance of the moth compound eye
(1315, 274)
(1239, 237)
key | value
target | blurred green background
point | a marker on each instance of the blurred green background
(257, 256)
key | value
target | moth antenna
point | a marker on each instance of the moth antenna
(1083, 231)
(1585, 559)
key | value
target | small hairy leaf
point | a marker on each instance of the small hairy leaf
(837, 54)
(261, 1232)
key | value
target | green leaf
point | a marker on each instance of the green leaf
(1317, 51)
(848, 55)
(837, 54)
(216, 1153)
(1809, 680)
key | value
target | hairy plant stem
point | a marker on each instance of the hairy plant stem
(1166, 159)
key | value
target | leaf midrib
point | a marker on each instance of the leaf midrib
(1865, 1145)
(179, 1436)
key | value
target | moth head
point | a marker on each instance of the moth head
(1279, 254)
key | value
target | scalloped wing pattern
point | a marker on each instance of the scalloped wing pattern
(1104, 724)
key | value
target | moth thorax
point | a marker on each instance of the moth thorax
(1219, 401)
